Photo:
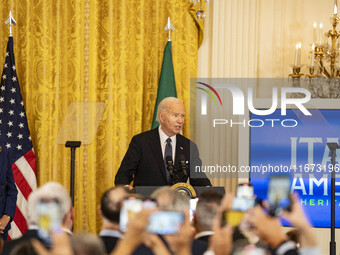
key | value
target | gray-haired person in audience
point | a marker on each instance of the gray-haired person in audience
(87, 244)
(50, 191)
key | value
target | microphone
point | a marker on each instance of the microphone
(183, 164)
(169, 165)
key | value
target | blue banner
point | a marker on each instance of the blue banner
(296, 145)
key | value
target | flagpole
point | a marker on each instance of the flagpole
(169, 27)
(18, 141)
(11, 22)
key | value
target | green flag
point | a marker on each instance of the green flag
(166, 85)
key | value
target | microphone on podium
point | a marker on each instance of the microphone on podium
(169, 165)
(183, 164)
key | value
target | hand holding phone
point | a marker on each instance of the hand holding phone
(129, 210)
(279, 195)
(49, 219)
(232, 218)
(244, 199)
(165, 222)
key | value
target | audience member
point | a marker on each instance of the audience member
(136, 235)
(269, 229)
(221, 242)
(61, 245)
(294, 235)
(206, 212)
(169, 199)
(51, 191)
(109, 211)
(24, 248)
(87, 244)
(207, 220)
(297, 217)
(172, 200)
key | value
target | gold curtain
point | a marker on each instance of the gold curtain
(106, 51)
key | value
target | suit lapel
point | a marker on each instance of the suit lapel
(155, 144)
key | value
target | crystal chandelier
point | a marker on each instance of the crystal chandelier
(200, 14)
(323, 79)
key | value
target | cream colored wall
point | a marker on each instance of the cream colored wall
(256, 38)
(231, 26)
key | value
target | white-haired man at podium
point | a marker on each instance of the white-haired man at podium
(150, 153)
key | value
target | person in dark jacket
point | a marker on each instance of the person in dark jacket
(8, 193)
(145, 161)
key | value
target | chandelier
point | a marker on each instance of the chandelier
(200, 14)
(323, 79)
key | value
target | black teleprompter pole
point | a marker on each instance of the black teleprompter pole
(332, 245)
(73, 145)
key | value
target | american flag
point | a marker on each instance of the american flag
(15, 136)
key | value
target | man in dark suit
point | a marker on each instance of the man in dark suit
(207, 207)
(8, 193)
(145, 159)
(111, 203)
